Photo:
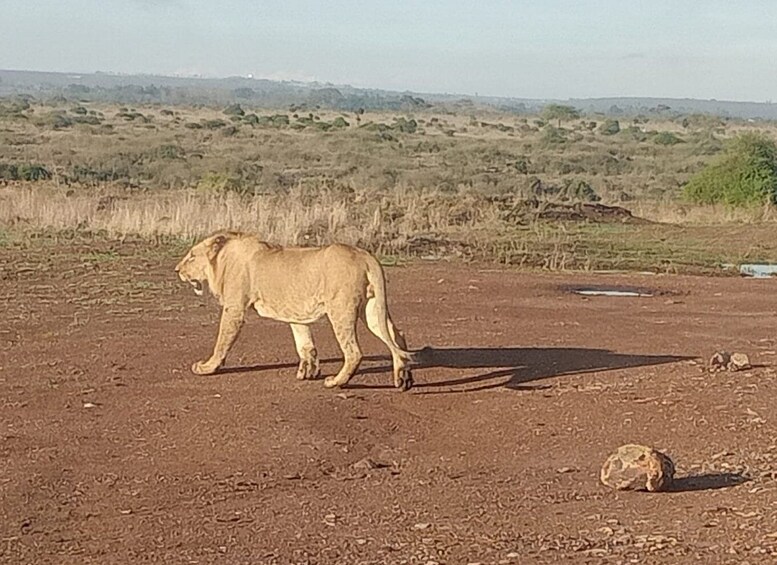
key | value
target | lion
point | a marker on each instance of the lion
(296, 285)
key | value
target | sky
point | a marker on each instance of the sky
(558, 49)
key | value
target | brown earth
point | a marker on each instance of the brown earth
(112, 452)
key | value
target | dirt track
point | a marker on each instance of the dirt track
(112, 452)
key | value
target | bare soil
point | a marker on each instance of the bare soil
(112, 452)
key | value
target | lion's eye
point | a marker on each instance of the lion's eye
(190, 259)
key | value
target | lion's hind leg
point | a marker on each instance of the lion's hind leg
(306, 349)
(344, 325)
(394, 340)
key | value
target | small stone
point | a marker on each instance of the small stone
(90, 405)
(421, 526)
(719, 361)
(637, 467)
(738, 362)
(368, 464)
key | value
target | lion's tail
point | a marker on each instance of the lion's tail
(391, 336)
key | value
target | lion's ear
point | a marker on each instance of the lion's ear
(216, 246)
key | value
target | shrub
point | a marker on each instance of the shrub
(131, 116)
(234, 110)
(745, 174)
(28, 172)
(276, 121)
(609, 127)
(14, 108)
(213, 124)
(167, 151)
(667, 138)
(404, 125)
(553, 135)
(222, 183)
(33, 172)
(55, 120)
(635, 133)
(90, 120)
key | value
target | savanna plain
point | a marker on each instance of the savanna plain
(487, 224)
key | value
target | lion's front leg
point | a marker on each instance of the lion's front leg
(306, 349)
(231, 322)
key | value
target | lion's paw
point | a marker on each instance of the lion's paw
(405, 381)
(201, 368)
(331, 382)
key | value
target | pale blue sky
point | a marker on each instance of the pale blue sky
(724, 49)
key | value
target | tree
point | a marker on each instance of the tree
(745, 174)
(560, 113)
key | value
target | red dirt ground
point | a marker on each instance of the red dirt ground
(112, 452)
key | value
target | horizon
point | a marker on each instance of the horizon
(420, 93)
(560, 51)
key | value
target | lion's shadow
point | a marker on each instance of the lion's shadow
(509, 367)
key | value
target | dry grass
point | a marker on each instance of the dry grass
(400, 223)
(302, 216)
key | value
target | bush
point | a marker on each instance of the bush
(54, 120)
(609, 127)
(213, 124)
(222, 183)
(167, 151)
(276, 121)
(14, 108)
(745, 174)
(234, 110)
(90, 120)
(404, 125)
(28, 172)
(553, 135)
(131, 116)
(33, 172)
(667, 138)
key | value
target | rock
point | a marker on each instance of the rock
(738, 362)
(719, 361)
(368, 464)
(637, 467)
(723, 360)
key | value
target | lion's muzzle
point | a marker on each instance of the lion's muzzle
(196, 285)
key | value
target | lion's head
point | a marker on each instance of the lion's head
(199, 263)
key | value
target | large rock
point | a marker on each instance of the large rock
(637, 467)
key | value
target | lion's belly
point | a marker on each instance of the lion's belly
(297, 314)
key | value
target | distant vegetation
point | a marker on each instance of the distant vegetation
(540, 188)
(745, 175)
(269, 94)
